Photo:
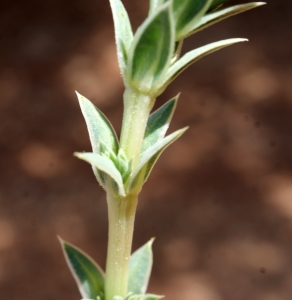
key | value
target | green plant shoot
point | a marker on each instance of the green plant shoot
(149, 61)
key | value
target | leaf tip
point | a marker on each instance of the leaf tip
(240, 40)
(79, 155)
(78, 95)
(150, 243)
(183, 130)
(176, 97)
(260, 3)
(62, 242)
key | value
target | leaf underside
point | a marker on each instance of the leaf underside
(140, 269)
(222, 14)
(194, 55)
(123, 32)
(104, 164)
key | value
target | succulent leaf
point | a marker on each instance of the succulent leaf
(219, 15)
(158, 123)
(99, 127)
(194, 55)
(151, 51)
(123, 32)
(104, 164)
(87, 274)
(140, 269)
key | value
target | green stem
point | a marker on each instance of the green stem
(137, 107)
(121, 213)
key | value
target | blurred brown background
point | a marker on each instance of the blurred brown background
(219, 201)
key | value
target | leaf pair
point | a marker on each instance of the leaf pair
(102, 136)
(145, 59)
(90, 278)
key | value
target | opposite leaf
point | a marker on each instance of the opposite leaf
(194, 55)
(219, 15)
(140, 269)
(123, 32)
(104, 164)
(149, 158)
(158, 123)
(88, 275)
(99, 128)
(151, 50)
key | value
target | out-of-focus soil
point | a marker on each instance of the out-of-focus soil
(219, 201)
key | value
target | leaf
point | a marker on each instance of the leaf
(194, 55)
(187, 13)
(140, 269)
(150, 156)
(123, 32)
(99, 128)
(144, 297)
(87, 274)
(158, 123)
(219, 15)
(151, 51)
(118, 298)
(154, 4)
(217, 3)
(104, 164)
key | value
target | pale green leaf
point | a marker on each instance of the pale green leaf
(118, 298)
(123, 32)
(99, 128)
(151, 51)
(154, 4)
(219, 15)
(194, 55)
(150, 156)
(87, 274)
(144, 297)
(104, 164)
(140, 269)
(158, 123)
(187, 13)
